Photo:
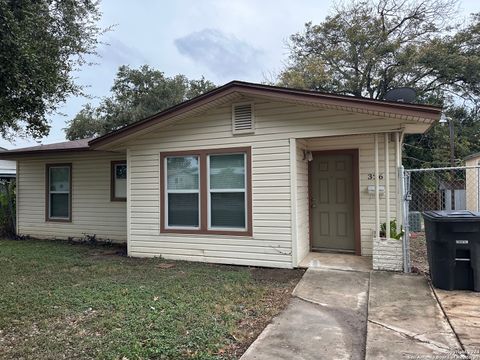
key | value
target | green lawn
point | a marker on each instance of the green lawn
(59, 300)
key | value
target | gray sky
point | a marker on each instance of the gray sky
(219, 39)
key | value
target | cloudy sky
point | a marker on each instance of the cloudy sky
(222, 40)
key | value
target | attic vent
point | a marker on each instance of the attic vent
(242, 118)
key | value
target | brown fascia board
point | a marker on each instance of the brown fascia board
(13, 154)
(414, 110)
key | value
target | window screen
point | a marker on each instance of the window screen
(227, 200)
(59, 192)
(182, 191)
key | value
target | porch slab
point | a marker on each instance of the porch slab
(405, 320)
(336, 261)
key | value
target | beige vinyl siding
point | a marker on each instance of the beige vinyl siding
(275, 124)
(365, 146)
(92, 210)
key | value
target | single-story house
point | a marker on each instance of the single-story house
(245, 174)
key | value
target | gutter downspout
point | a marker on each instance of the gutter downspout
(377, 194)
(293, 201)
(387, 187)
(399, 179)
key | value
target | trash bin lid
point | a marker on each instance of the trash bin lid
(452, 215)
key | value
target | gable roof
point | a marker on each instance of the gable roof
(423, 113)
(231, 91)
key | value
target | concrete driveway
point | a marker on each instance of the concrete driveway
(339, 314)
(463, 311)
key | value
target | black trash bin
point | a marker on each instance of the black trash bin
(453, 248)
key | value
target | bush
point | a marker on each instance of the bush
(394, 233)
(7, 208)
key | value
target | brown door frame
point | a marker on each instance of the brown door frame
(356, 193)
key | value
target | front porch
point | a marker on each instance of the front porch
(341, 203)
(336, 261)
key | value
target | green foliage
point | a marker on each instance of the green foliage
(84, 302)
(393, 230)
(368, 48)
(8, 208)
(136, 94)
(42, 42)
(432, 149)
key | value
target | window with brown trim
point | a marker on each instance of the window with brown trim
(206, 191)
(58, 194)
(118, 182)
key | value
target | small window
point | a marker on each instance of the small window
(226, 198)
(119, 181)
(242, 118)
(59, 192)
(183, 192)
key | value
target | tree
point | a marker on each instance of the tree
(41, 43)
(433, 148)
(136, 94)
(368, 48)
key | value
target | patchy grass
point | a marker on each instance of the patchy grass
(59, 300)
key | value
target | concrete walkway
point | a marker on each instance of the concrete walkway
(326, 319)
(404, 319)
(338, 314)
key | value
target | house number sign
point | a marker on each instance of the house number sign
(371, 176)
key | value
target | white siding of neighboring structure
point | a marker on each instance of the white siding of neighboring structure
(472, 184)
(92, 210)
(7, 168)
(275, 124)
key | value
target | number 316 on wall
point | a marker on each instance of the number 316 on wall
(371, 176)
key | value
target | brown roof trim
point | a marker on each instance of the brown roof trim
(415, 110)
(12, 154)
(59, 147)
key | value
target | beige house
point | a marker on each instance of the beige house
(245, 174)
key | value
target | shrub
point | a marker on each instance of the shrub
(7, 208)
(394, 233)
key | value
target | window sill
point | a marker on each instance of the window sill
(246, 234)
(59, 220)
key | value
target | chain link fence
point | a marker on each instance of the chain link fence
(452, 188)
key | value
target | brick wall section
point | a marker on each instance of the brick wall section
(387, 255)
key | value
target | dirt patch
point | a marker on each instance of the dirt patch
(418, 254)
(21, 341)
(109, 251)
(275, 300)
(277, 275)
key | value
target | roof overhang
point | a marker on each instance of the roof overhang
(420, 117)
(15, 154)
(415, 118)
